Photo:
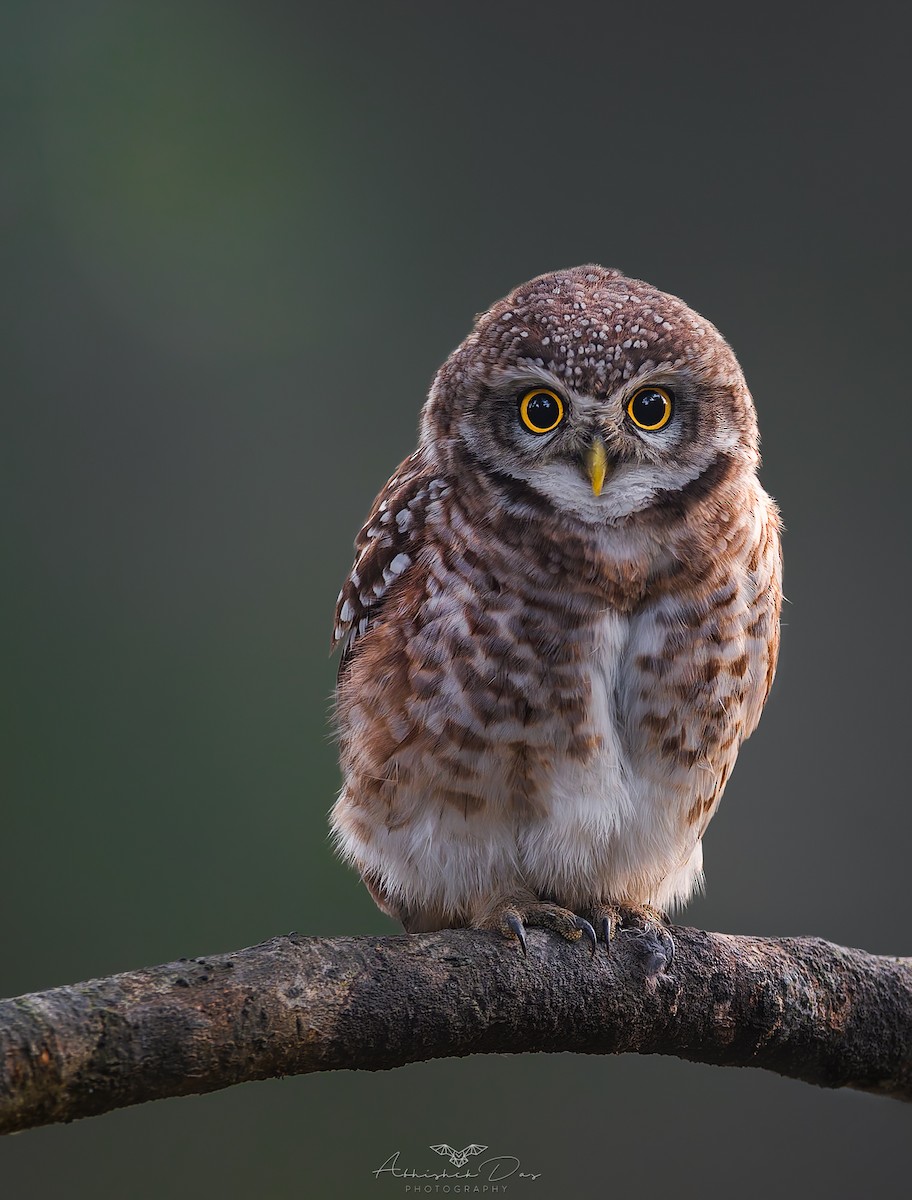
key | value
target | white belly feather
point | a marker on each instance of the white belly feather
(611, 830)
(607, 829)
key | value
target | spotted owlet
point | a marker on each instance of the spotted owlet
(562, 619)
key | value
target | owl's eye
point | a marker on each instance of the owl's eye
(650, 408)
(541, 410)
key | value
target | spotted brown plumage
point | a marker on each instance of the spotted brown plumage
(546, 679)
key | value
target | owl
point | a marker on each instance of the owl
(561, 623)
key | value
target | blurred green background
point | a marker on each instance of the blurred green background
(237, 241)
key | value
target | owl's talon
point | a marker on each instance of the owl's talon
(669, 942)
(663, 955)
(583, 925)
(513, 922)
(607, 933)
(656, 962)
(514, 916)
(643, 922)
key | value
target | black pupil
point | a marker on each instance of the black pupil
(542, 411)
(649, 407)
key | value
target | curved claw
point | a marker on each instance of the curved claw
(662, 950)
(515, 924)
(670, 957)
(585, 928)
(607, 933)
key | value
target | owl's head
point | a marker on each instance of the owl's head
(602, 394)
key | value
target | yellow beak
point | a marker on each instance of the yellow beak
(597, 465)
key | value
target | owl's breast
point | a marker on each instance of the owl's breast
(595, 812)
(501, 699)
(493, 741)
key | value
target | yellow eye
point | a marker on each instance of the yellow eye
(541, 410)
(650, 408)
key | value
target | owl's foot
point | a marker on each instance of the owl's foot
(514, 918)
(642, 921)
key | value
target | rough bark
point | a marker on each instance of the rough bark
(799, 1006)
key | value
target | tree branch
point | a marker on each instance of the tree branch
(798, 1006)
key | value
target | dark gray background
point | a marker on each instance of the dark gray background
(237, 241)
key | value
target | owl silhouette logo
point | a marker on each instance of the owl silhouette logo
(459, 1158)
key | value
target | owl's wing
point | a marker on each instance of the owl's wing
(385, 548)
(443, 1148)
(474, 1149)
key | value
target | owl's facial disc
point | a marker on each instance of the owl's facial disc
(601, 453)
